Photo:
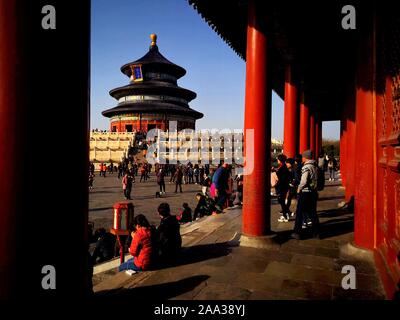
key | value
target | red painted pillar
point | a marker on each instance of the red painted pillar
(365, 170)
(312, 133)
(304, 143)
(343, 148)
(256, 199)
(290, 115)
(34, 218)
(351, 157)
(10, 142)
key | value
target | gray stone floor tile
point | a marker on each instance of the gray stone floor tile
(218, 291)
(314, 261)
(307, 290)
(299, 272)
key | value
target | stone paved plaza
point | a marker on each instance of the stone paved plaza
(107, 191)
(214, 267)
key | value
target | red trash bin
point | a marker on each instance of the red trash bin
(123, 214)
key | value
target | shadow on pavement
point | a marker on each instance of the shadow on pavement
(332, 213)
(155, 292)
(336, 227)
(101, 208)
(198, 253)
(333, 185)
(330, 198)
(105, 191)
(331, 228)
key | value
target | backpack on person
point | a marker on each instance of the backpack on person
(315, 183)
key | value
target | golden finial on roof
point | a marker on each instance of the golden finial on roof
(153, 38)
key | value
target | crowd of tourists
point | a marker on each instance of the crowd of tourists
(152, 246)
(293, 178)
(217, 184)
(217, 193)
(328, 163)
(301, 178)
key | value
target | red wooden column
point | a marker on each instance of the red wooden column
(351, 157)
(304, 143)
(343, 147)
(364, 172)
(256, 199)
(10, 143)
(312, 133)
(290, 115)
(36, 217)
(365, 148)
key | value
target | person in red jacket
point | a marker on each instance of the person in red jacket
(104, 169)
(142, 246)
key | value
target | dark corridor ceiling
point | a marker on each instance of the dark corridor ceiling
(309, 37)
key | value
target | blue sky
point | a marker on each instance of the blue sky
(120, 34)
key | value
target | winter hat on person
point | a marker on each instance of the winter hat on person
(307, 154)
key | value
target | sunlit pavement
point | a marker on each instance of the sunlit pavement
(214, 266)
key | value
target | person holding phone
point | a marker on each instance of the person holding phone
(142, 246)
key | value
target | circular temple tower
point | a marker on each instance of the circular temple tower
(152, 98)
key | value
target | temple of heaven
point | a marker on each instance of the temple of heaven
(152, 98)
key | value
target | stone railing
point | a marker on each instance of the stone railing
(113, 144)
(106, 146)
(107, 155)
(112, 135)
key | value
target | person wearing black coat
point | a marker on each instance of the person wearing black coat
(105, 246)
(169, 237)
(282, 187)
(201, 207)
(297, 172)
(178, 180)
(161, 180)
